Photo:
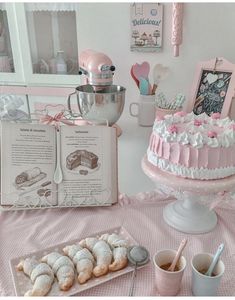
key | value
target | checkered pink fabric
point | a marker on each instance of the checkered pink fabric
(27, 231)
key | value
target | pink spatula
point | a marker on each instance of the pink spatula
(135, 79)
(141, 70)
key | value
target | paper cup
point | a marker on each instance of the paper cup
(203, 285)
(168, 283)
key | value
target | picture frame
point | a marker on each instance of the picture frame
(213, 87)
(146, 25)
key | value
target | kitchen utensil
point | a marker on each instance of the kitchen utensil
(215, 260)
(178, 254)
(58, 175)
(144, 86)
(138, 256)
(141, 70)
(135, 79)
(106, 103)
(159, 74)
(177, 26)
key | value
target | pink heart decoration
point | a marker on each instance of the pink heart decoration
(141, 70)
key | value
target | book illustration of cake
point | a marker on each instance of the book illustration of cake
(193, 146)
(81, 158)
(83, 172)
(29, 177)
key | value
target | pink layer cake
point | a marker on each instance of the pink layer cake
(191, 146)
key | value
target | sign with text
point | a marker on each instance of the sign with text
(146, 27)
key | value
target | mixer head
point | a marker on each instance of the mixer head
(97, 67)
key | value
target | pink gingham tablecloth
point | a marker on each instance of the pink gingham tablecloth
(22, 232)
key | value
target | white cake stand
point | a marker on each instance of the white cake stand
(188, 214)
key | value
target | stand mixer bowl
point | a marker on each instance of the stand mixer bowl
(100, 103)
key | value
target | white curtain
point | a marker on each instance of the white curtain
(2, 6)
(59, 6)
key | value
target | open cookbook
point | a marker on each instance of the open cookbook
(32, 155)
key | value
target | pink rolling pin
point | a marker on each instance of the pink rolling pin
(177, 26)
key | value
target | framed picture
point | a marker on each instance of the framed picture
(213, 87)
(146, 27)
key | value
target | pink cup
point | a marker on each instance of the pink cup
(161, 112)
(168, 283)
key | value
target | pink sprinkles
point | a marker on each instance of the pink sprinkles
(173, 129)
(197, 122)
(212, 134)
(215, 116)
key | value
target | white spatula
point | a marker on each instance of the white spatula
(159, 73)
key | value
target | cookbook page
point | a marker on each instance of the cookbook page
(89, 166)
(27, 165)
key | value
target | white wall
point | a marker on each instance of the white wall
(208, 32)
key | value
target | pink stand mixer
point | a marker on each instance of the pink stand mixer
(98, 100)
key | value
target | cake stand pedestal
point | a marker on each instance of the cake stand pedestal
(188, 214)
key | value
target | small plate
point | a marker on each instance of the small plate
(22, 283)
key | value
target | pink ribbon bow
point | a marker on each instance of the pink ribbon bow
(56, 120)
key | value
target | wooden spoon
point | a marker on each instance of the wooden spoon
(177, 256)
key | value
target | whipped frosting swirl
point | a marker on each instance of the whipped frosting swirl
(194, 134)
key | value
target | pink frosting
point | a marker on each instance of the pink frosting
(232, 126)
(216, 116)
(188, 156)
(160, 118)
(180, 113)
(197, 122)
(212, 134)
(173, 129)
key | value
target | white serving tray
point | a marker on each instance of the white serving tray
(22, 283)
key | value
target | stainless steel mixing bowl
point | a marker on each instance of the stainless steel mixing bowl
(102, 103)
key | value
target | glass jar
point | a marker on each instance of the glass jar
(61, 66)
